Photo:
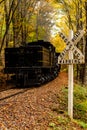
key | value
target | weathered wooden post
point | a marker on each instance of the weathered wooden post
(70, 81)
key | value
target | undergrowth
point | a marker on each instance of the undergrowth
(79, 102)
(79, 110)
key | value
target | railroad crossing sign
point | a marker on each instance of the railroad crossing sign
(72, 49)
(71, 46)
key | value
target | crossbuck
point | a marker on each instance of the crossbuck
(71, 46)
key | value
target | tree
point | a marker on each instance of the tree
(85, 66)
(58, 43)
(74, 10)
(8, 5)
(41, 21)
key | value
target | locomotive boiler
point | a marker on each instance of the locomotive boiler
(32, 64)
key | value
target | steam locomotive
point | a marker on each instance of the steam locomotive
(32, 64)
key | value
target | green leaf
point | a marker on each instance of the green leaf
(52, 124)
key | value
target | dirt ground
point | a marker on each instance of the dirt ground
(30, 108)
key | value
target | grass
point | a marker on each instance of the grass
(80, 101)
(79, 112)
(82, 124)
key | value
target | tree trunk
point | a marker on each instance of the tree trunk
(85, 66)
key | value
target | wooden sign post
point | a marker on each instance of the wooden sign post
(70, 81)
(71, 49)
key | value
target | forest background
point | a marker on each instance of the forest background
(23, 21)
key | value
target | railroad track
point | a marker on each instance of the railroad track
(11, 91)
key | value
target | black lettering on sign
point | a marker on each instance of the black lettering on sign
(78, 33)
(76, 61)
(65, 50)
(73, 49)
(75, 52)
(70, 61)
(75, 36)
(73, 40)
(63, 36)
(60, 56)
(70, 46)
(67, 43)
(60, 34)
(78, 54)
(62, 53)
(65, 40)
(79, 61)
(59, 61)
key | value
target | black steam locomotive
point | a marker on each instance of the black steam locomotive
(35, 63)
